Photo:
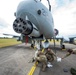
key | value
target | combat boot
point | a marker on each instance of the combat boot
(43, 67)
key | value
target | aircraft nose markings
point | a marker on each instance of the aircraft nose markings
(44, 12)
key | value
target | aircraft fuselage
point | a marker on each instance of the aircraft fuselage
(38, 15)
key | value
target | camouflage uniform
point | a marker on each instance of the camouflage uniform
(42, 58)
(50, 55)
(70, 51)
(74, 51)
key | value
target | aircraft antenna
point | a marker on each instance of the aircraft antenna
(49, 5)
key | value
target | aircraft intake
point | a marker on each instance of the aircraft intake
(21, 26)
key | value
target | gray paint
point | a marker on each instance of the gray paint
(43, 22)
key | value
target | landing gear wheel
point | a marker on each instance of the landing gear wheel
(32, 45)
(63, 46)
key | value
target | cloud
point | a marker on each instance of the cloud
(65, 18)
(6, 28)
(7, 9)
(64, 14)
(3, 23)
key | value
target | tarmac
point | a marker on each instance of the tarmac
(63, 67)
(17, 60)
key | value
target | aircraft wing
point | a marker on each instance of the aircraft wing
(11, 35)
(70, 39)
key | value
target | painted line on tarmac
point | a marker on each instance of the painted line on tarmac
(33, 69)
(31, 72)
(42, 50)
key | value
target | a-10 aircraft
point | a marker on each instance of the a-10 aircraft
(34, 21)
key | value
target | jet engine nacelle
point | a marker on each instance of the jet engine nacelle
(56, 32)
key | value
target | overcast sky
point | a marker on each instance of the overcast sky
(64, 14)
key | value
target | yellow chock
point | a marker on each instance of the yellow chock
(63, 49)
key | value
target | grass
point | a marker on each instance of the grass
(4, 42)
